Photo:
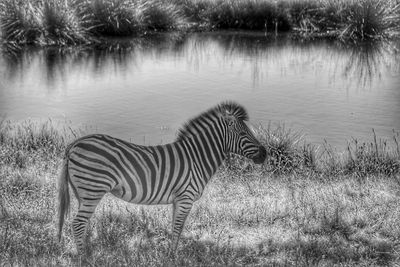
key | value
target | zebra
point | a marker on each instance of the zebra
(174, 173)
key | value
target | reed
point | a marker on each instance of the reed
(36, 21)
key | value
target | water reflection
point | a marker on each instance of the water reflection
(360, 63)
(366, 61)
(114, 54)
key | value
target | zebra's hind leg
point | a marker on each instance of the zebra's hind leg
(81, 220)
(181, 209)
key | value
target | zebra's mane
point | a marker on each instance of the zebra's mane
(225, 108)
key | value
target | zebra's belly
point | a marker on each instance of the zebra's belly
(156, 200)
(120, 192)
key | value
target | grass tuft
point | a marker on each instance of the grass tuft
(19, 21)
(371, 19)
(286, 150)
(60, 24)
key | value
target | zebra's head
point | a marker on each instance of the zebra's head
(239, 138)
(225, 124)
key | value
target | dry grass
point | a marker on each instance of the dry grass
(246, 216)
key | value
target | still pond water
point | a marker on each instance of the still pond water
(143, 90)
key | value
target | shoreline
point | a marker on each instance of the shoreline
(288, 152)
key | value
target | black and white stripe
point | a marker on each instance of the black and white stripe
(175, 173)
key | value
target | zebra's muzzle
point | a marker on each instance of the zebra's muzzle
(260, 156)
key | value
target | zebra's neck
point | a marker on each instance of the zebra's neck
(206, 153)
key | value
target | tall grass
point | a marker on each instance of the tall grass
(76, 21)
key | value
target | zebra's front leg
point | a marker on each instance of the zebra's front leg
(181, 209)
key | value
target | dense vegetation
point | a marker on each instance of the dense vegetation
(305, 206)
(64, 22)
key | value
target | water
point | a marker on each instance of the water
(143, 90)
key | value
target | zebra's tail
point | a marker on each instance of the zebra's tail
(63, 196)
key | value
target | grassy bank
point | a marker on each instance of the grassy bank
(65, 22)
(303, 207)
